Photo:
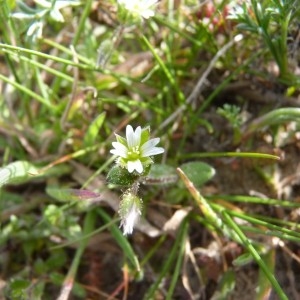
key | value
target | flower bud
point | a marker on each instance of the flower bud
(130, 211)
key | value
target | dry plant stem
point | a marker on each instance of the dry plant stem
(118, 36)
(199, 86)
(289, 252)
(20, 135)
(185, 276)
(290, 275)
(74, 87)
(54, 52)
(126, 282)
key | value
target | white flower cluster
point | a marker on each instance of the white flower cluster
(138, 8)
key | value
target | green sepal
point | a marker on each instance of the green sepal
(145, 135)
(121, 140)
(147, 167)
(120, 176)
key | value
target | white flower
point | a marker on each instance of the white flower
(130, 212)
(142, 8)
(55, 7)
(134, 152)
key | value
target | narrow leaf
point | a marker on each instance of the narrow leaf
(66, 195)
(93, 130)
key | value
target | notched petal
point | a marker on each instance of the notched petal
(129, 136)
(135, 165)
(137, 136)
(149, 148)
(119, 150)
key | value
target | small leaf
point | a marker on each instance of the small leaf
(66, 195)
(161, 174)
(17, 172)
(226, 286)
(17, 288)
(93, 130)
(243, 259)
(198, 172)
(120, 176)
(264, 287)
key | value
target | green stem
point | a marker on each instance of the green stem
(247, 244)
(277, 116)
(283, 43)
(176, 273)
(165, 70)
(167, 265)
(83, 21)
(27, 91)
(88, 227)
(4, 47)
(230, 154)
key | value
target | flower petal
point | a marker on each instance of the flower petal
(129, 136)
(137, 136)
(149, 2)
(133, 137)
(149, 148)
(119, 150)
(134, 165)
(154, 151)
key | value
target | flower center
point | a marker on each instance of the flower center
(134, 153)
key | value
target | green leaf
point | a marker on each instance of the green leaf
(226, 286)
(36, 291)
(17, 289)
(243, 259)
(198, 172)
(66, 195)
(264, 288)
(17, 172)
(120, 176)
(161, 174)
(93, 130)
(122, 241)
(274, 117)
(83, 199)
